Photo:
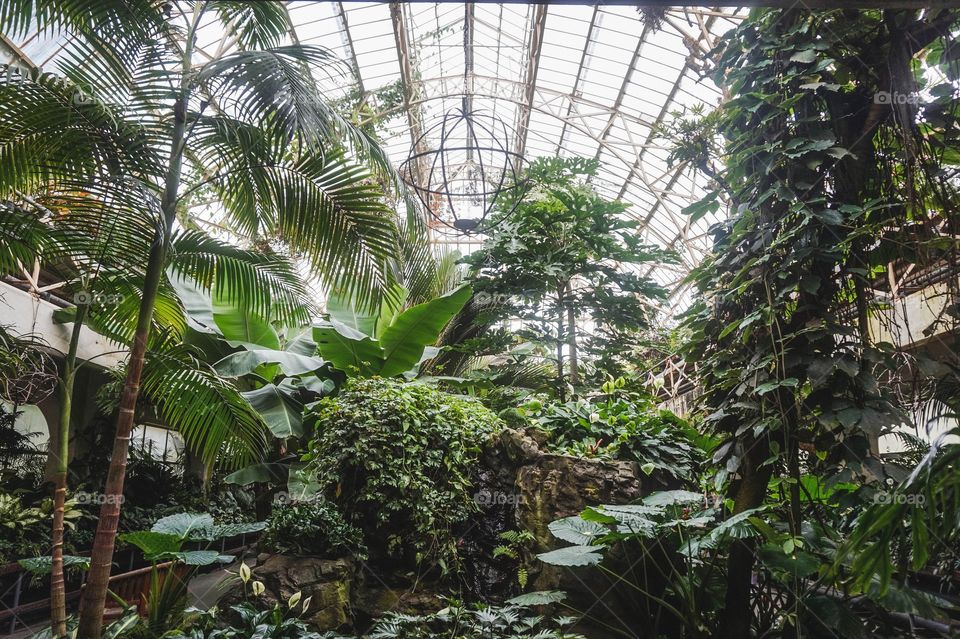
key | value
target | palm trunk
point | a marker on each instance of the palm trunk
(58, 596)
(101, 557)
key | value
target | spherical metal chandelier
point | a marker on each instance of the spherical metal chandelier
(461, 165)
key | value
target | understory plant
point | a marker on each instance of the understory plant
(395, 458)
(252, 622)
(313, 527)
(521, 617)
(619, 425)
(177, 546)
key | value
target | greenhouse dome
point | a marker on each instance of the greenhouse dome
(446, 320)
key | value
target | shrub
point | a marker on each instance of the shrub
(396, 458)
(619, 426)
(311, 528)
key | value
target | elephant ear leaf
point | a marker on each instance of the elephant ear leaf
(154, 544)
(416, 328)
(184, 525)
(348, 349)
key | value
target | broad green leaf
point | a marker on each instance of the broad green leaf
(310, 383)
(344, 310)
(538, 598)
(672, 498)
(244, 362)
(43, 565)
(390, 308)
(301, 484)
(154, 543)
(576, 530)
(196, 302)
(272, 473)
(238, 325)
(281, 415)
(203, 557)
(403, 341)
(572, 556)
(348, 349)
(184, 525)
(225, 531)
(302, 343)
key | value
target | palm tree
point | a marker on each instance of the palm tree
(101, 257)
(133, 118)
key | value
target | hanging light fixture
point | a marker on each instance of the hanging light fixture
(460, 180)
(462, 164)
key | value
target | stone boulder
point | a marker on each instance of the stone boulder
(329, 583)
(555, 486)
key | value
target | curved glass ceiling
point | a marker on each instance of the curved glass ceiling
(591, 81)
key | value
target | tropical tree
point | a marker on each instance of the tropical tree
(100, 260)
(135, 117)
(828, 180)
(560, 256)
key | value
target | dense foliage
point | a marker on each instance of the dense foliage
(835, 172)
(561, 257)
(618, 425)
(396, 459)
(311, 528)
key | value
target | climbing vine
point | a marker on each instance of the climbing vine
(834, 166)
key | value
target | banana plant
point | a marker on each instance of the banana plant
(391, 342)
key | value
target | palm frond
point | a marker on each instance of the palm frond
(23, 237)
(47, 134)
(255, 25)
(277, 85)
(115, 299)
(106, 223)
(215, 421)
(266, 285)
(320, 204)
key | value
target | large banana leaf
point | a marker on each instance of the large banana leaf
(281, 414)
(345, 310)
(348, 349)
(239, 326)
(403, 342)
(244, 362)
(401, 345)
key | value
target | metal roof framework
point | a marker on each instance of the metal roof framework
(574, 80)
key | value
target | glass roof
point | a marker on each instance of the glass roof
(571, 80)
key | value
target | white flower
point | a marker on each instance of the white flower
(594, 418)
